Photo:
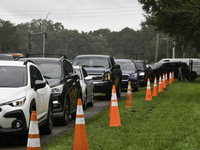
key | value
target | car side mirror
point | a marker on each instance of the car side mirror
(39, 84)
(116, 66)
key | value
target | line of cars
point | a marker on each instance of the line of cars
(48, 85)
(52, 86)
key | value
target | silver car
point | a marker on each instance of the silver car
(87, 87)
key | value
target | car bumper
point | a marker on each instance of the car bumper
(102, 86)
(58, 103)
(13, 122)
(134, 84)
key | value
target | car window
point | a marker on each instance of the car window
(126, 66)
(12, 76)
(35, 75)
(68, 67)
(92, 62)
(84, 72)
(139, 65)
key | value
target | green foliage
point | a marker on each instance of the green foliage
(178, 18)
(168, 122)
(120, 44)
(9, 39)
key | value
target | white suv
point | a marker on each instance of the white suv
(23, 89)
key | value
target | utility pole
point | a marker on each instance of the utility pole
(44, 35)
(156, 50)
(173, 53)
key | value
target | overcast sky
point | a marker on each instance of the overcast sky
(82, 15)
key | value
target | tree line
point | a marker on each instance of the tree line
(127, 43)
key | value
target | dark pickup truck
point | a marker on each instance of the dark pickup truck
(104, 71)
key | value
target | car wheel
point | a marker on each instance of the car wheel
(48, 126)
(108, 95)
(64, 119)
(135, 89)
(119, 91)
(73, 115)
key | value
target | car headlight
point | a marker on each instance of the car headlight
(134, 75)
(141, 74)
(17, 102)
(57, 89)
(107, 76)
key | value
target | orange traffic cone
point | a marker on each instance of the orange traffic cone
(170, 78)
(173, 76)
(148, 91)
(111, 101)
(166, 79)
(80, 136)
(33, 142)
(160, 88)
(129, 101)
(114, 111)
(163, 82)
(155, 88)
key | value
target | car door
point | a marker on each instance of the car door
(89, 84)
(73, 84)
(38, 93)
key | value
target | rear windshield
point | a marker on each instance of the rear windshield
(92, 62)
(11, 76)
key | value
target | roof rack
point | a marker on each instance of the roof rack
(61, 55)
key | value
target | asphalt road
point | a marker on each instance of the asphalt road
(13, 143)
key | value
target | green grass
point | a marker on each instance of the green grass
(170, 121)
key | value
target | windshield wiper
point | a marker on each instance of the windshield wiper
(98, 66)
(47, 77)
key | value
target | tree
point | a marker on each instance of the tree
(9, 39)
(178, 18)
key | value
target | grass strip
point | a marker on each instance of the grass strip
(170, 121)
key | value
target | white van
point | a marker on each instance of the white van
(195, 67)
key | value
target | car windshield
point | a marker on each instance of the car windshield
(126, 66)
(12, 76)
(139, 65)
(50, 70)
(92, 62)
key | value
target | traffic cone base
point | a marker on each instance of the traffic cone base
(129, 101)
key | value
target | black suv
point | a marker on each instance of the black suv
(104, 71)
(165, 67)
(64, 83)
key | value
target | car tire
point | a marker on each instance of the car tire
(65, 117)
(108, 95)
(92, 100)
(119, 91)
(48, 126)
(85, 102)
(73, 115)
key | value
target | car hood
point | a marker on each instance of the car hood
(95, 70)
(128, 72)
(9, 94)
(53, 82)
